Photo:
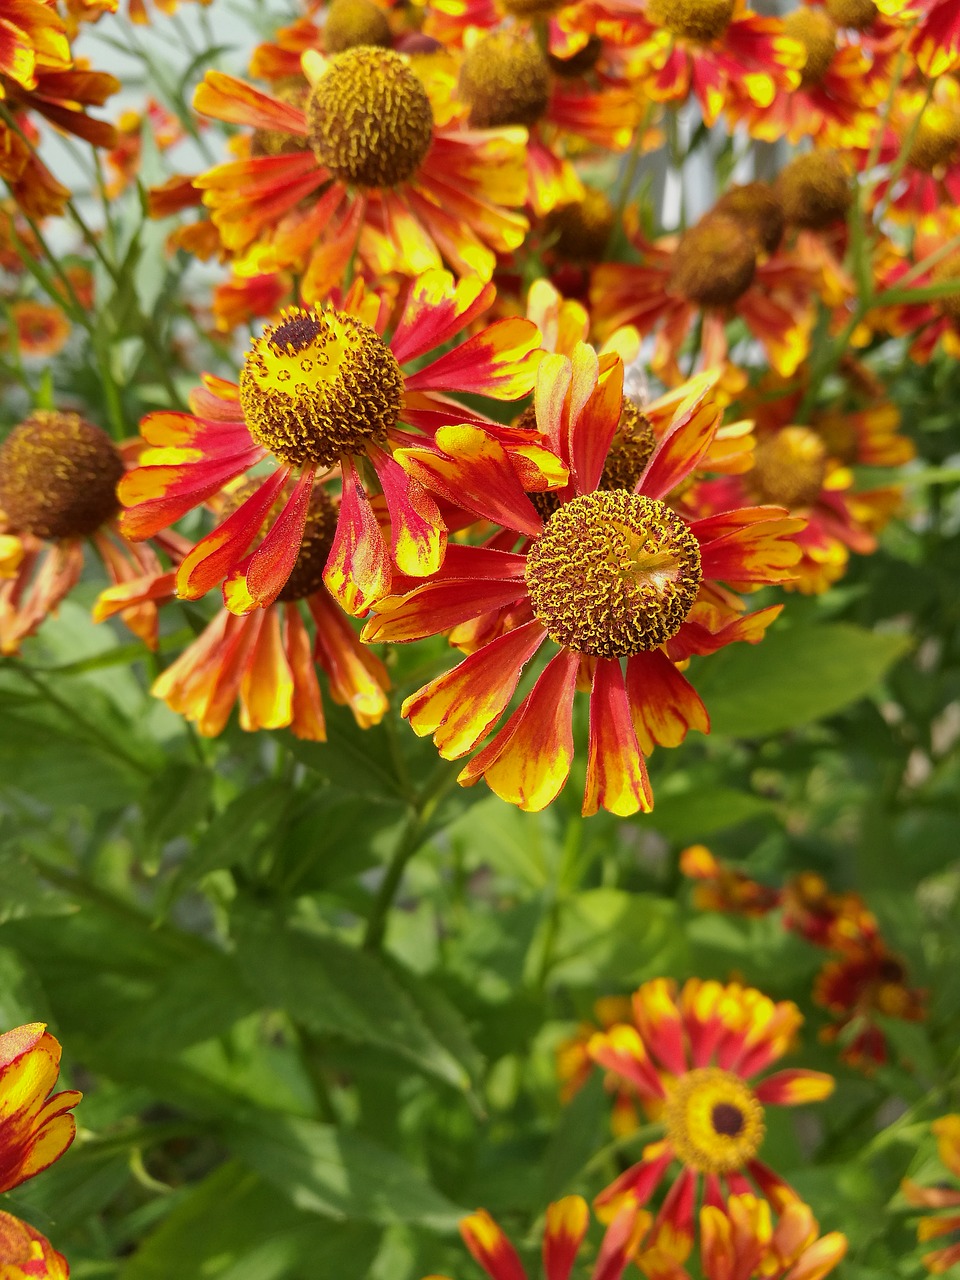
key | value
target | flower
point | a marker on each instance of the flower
(738, 1240)
(866, 981)
(58, 478)
(723, 888)
(407, 193)
(27, 1255)
(41, 330)
(32, 38)
(609, 572)
(947, 1132)
(574, 1065)
(693, 1057)
(35, 1126)
(935, 39)
(566, 1225)
(323, 391)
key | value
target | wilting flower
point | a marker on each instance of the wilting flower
(58, 487)
(382, 178)
(609, 572)
(35, 1126)
(566, 1225)
(739, 1240)
(947, 1131)
(693, 1058)
(322, 391)
(27, 1255)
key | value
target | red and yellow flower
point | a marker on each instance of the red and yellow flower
(41, 330)
(866, 981)
(935, 38)
(694, 1058)
(739, 1240)
(27, 1255)
(36, 1127)
(608, 571)
(575, 1066)
(322, 392)
(939, 1261)
(724, 888)
(33, 38)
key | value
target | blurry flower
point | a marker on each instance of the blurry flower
(42, 330)
(864, 982)
(608, 571)
(928, 184)
(27, 1255)
(32, 38)
(35, 1126)
(575, 1066)
(322, 391)
(837, 921)
(693, 1058)
(241, 299)
(935, 40)
(738, 1240)
(722, 888)
(947, 1131)
(124, 158)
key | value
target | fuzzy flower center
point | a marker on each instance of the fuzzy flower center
(355, 22)
(936, 142)
(714, 1121)
(369, 118)
(613, 574)
(580, 230)
(714, 263)
(858, 14)
(789, 467)
(319, 384)
(318, 534)
(58, 476)
(505, 80)
(815, 30)
(756, 207)
(692, 19)
(814, 190)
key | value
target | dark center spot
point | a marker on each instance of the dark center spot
(727, 1119)
(297, 333)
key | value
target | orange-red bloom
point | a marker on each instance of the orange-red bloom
(35, 1125)
(723, 888)
(739, 1240)
(27, 1255)
(939, 1261)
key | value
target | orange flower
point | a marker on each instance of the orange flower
(124, 159)
(42, 330)
(501, 604)
(693, 1057)
(32, 38)
(866, 981)
(935, 40)
(722, 888)
(35, 1127)
(350, 406)
(27, 1255)
(738, 1240)
(386, 180)
(939, 1261)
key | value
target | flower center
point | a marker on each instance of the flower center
(814, 29)
(694, 19)
(531, 8)
(714, 1122)
(757, 209)
(814, 190)
(840, 437)
(936, 142)
(613, 574)
(505, 80)
(948, 269)
(579, 63)
(354, 22)
(319, 384)
(714, 263)
(318, 535)
(58, 476)
(580, 230)
(789, 467)
(858, 14)
(369, 118)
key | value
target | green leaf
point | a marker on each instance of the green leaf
(795, 675)
(693, 814)
(340, 1174)
(356, 761)
(612, 937)
(578, 1135)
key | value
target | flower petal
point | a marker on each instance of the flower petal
(617, 777)
(564, 1230)
(663, 703)
(419, 536)
(358, 569)
(500, 361)
(490, 1247)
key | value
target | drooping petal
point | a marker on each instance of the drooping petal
(500, 362)
(490, 1247)
(621, 1240)
(157, 496)
(358, 570)
(358, 679)
(617, 778)
(306, 711)
(663, 703)
(693, 637)
(566, 1225)
(259, 579)
(266, 688)
(419, 536)
(226, 98)
(636, 1184)
(795, 1086)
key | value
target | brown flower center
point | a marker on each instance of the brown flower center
(789, 467)
(815, 30)
(714, 263)
(355, 22)
(580, 230)
(579, 63)
(693, 19)
(814, 190)
(859, 14)
(757, 209)
(936, 142)
(505, 80)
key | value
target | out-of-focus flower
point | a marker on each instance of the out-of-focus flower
(935, 39)
(27, 1255)
(693, 1058)
(575, 1066)
(32, 38)
(722, 888)
(739, 1240)
(864, 982)
(939, 1261)
(124, 159)
(58, 478)
(323, 390)
(609, 572)
(36, 1127)
(401, 190)
(41, 330)
(244, 298)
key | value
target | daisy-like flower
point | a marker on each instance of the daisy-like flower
(27, 1255)
(939, 1261)
(266, 662)
(608, 572)
(935, 39)
(566, 1226)
(41, 330)
(724, 888)
(739, 1240)
(36, 1127)
(58, 488)
(362, 166)
(323, 391)
(694, 1058)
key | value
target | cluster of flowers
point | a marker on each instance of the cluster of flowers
(863, 978)
(411, 168)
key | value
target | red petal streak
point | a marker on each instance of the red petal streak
(795, 1086)
(693, 637)
(592, 428)
(490, 1247)
(266, 690)
(259, 581)
(358, 679)
(640, 1180)
(500, 362)
(528, 761)
(553, 382)
(460, 706)
(619, 1244)
(664, 705)
(616, 771)
(436, 311)
(419, 537)
(226, 98)
(219, 552)
(682, 448)
(439, 605)
(158, 496)
(758, 553)
(358, 569)
(306, 712)
(566, 1225)
(622, 1051)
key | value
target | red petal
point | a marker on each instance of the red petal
(501, 362)
(358, 569)
(664, 705)
(566, 1225)
(262, 577)
(226, 98)
(436, 310)
(419, 536)
(616, 771)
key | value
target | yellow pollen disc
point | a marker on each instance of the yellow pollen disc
(613, 574)
(319, 384)
(714, 263)
(354, 22)
(948, 269)
(756, 207)
(274, 142)
(714, 1121)
(936, 142)
(318, 535)
(505, 80)
(694, 19)
(814, 190)
(858, 14)
(369, 118)
(789, 467)
(581, 230)
(815, 30)
(58, 476)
